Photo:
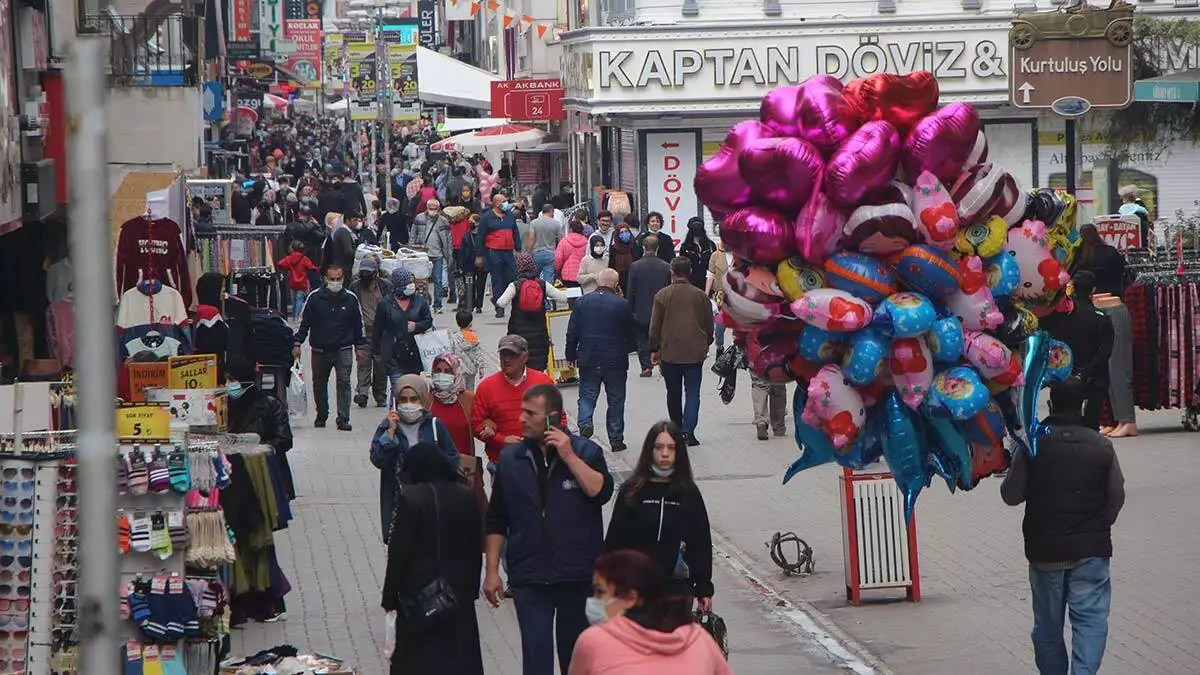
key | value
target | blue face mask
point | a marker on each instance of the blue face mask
(235, 389)
(506, 207)
(624, 237)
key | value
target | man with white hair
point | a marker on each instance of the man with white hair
(431, 231)
(600, 336)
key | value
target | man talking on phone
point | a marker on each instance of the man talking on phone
(546, 502)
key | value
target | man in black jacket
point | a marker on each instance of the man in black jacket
(1089, 333)
(1073, 490)
(647, 276)
(335, 319)
(546, 502)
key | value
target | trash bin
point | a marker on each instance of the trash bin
(879, 548)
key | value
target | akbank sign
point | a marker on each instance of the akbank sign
(695, 66)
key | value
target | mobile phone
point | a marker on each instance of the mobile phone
(554, 421)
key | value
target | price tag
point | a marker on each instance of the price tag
(143, 423)
(143, 376)
(198, 371)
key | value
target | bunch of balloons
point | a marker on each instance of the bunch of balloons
(884, 262)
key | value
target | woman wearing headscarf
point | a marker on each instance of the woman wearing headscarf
(528, 296)
(591, 265)
(698, 248)
(252, 410)
(406, 425)
(620, 253)
(451, 403)
(398, 318)
(437, 532)
(394, 223)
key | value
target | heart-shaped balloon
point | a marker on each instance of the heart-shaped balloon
(761, 235)
(862, 163)
(813, 110)
(718, 182)
(941, 143)
(819, 228)
(900, 100)
(781, 172)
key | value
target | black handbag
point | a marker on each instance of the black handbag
(436, 602)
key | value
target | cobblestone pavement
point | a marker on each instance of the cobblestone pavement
(974, 617)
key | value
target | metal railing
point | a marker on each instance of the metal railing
(149, 50)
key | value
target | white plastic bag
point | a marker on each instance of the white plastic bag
(432, 344)
(389, 634)
(297, 392)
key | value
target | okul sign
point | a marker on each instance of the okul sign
(698, 65)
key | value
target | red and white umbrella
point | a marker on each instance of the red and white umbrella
(494, 139)
(275, 102)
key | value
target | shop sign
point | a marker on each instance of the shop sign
(302, 9)
(528, 100)
(1072, 60)
(244, 49)
(241, 21)
(198, 371)
(1120, 232)
(1160, 91)
(217, 193)
(969, 59)
(260, 70)
(143, 423)
(305, 62)
(270, 25)
(671, 158)
(427, 15)
(143, 376)
(405, 86)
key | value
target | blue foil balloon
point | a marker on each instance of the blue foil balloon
(1004, 275)
(904, 315)
(815, 448)
(868, 447)
(1037, 349)
(1059, 361)
(820, 346)
(946, 340)
(904, 449)
(960, 392)
(864, 360)
(949, 444)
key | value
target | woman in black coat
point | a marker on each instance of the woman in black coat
(398, 318)
(254, 411)
(436, 530)
(698, 248)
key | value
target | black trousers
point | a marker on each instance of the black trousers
(479, 281)
(1093, 405)
(643, 347)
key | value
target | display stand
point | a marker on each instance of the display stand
(559, 370)
(879, 548)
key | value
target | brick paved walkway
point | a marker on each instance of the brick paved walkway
(974, 618)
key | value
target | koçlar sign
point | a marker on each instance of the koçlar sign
(964, 61)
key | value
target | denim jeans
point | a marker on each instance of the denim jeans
(613, 379)
(683, 382)
(545, 262)
(438, 285)
(719, 335)
(342, 362)
(550, 617)
(298, 298)
(502, 265)
(1085, 592)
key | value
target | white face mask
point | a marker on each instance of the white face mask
(661, 472)
(442, 381)
(409, 412)
(598, 251)
(596, 610)
(334, 286)
(409, 289)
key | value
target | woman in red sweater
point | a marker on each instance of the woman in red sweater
(451, 403)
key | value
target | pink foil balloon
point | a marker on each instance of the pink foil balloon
(941, 143)
(864, 162)
(819, 228)
(761, 235)
(781, 172)
(937, 217)
(813, 110)
(718, 183)
(911, 366)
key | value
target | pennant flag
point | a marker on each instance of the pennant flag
(474, 8)
(541, 29)
(527, 19)
(493, 5)
(508, 19)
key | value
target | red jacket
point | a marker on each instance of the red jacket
(500, 402)
(152, 250)
(297, 265)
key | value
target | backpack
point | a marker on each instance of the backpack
(270, 338)
(531, 297)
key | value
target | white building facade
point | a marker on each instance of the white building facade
(662, 89)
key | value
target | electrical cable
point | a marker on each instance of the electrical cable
(804, 554)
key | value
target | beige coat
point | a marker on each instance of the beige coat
(681, 323)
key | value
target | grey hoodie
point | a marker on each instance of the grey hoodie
(435, 236)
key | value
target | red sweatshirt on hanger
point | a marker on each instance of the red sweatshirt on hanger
(152, 249)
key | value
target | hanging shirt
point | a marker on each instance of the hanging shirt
(169, 346)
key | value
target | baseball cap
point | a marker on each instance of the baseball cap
(514, 344)
(368, 264)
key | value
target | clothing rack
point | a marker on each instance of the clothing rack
(234, 247)
(1164, 306)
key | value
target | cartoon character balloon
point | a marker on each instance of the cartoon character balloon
(911, 366)
(992, 359)
(973, 303)
(983, 238)
(865, 358)
(928, 270)
(1041, 273)
(797, 277)
(860, 275)
(946, 340)
(833, 310)
(815, 448)
(818, 230)
(820, 346)
(834, 407)
(905, 315)
(960, 392)
(937, 216)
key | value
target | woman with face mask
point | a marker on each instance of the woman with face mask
(593, 263)
(399, 316)
(452, 403)
(254, 411)
(569, 254)
(661, 513)
(407, 424)
(620, 253)
(698, 248)
(639, 630)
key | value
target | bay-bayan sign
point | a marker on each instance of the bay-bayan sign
(969, 60)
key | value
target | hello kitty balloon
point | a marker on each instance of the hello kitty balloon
(911, 366)
(1041, 273)
(834, 406)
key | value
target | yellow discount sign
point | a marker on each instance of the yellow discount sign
(143, 423)
(198, 371)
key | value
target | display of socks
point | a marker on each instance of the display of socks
(139, 533)
(160, 475)
(139, 475)
(178, 467)
(160, 539)
(132, 659)
(123, 533)
(178, 530)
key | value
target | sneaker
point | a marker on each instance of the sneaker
(479, 310)
(762, 431)
(344, 426)
(691, 439)
(619, 446)
(586, 432)
(500, 313)
(276, 617)
(780, 432)
(649, 372)
(360, 400)
(319, 423)
(380, 403)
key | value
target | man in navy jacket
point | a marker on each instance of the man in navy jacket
(546, 501)
(333, 316)
(600, 336)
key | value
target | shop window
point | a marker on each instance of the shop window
(617, 12)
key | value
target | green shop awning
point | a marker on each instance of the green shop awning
(1181, 87)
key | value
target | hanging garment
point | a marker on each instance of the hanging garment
(152, 249)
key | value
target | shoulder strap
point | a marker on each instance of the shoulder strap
(434, 421)
(437, 524)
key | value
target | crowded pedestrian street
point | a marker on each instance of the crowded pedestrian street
(973, 616)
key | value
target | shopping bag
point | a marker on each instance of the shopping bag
(297, 392)
(715, 625)
(432, 344)
(389, 634)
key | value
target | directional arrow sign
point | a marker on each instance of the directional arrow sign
(1026, 89)
(1090, 69)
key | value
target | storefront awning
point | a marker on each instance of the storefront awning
(1180, 87)
(444, 80)
(453, 125)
